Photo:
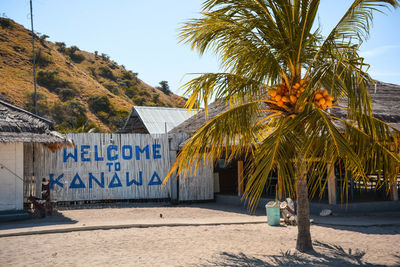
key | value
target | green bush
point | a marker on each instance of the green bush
(77, 58)
(51, 80)
(112, 88)
(118, 120)
(42, 104)
(42, 40)
(43, 59)
(139, 100)
(129, 75)
(105, 72)
(69, 115)
(144, 93)
(103, 116)
(105, 57)
(100, 103)
(5, 22)
(61, 47)
(73, 49)
(113, 66)
(92, 71)
(156, 98)
(66, 94)
(131, 91)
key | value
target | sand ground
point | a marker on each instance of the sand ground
(221, 245)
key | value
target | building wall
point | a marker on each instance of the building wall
(198, 185)
(11, 176)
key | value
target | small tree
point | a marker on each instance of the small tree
(61, 47)
(164, 87)
(42, 39)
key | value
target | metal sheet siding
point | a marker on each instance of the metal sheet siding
(155, 118)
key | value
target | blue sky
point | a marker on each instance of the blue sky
(143, 35)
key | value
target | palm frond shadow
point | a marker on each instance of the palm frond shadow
(325, 255)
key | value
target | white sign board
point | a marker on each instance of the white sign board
(108, 166)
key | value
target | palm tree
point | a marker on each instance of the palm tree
(282, 83)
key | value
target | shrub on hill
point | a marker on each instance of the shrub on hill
(100, 103)
(66, 94)
(42, 104)
(139, 100)
(92, 71)
(73, 55)
(77, 58)
(131, 91)
(111, 87)
(71, 117)
(42, 40)
(5, 23)
(129, 75)
(51, 80)
(118, 120)
(61, 47)
(43, 59)
(105, 72)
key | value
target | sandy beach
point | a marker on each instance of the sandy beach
(219, 245)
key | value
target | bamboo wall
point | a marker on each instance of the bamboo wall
(198, 185)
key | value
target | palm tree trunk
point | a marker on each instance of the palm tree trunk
(304, 243)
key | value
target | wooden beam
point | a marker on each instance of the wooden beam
(394, 193)
(240, 178)
(331, 184)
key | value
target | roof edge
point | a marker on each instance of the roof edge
(26, 112)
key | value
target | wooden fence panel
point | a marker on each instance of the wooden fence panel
(107, 166)
(199, 185)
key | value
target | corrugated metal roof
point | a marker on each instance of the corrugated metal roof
(155, 118)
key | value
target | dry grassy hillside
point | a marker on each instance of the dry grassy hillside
(77, 89)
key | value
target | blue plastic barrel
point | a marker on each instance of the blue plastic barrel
(274, 216)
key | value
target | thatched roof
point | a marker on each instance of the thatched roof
(191, 125)
(385, 103)
(18, 125)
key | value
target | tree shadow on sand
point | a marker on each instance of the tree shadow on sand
(325, 255)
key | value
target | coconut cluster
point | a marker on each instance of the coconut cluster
(323, 99)
(285, 96)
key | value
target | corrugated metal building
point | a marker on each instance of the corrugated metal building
(154, 120)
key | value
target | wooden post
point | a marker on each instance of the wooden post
(240, 178)
(331, 184)
(394, 193)
(173, 180)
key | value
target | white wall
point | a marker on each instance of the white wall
(11, 186)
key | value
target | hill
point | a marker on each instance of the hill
(76, 89)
